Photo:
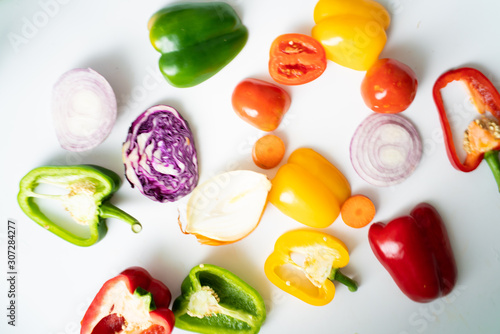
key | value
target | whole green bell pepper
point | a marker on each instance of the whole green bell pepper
(196, 40)
(88, 189)
(214, 300)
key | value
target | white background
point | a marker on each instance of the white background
(40, 40)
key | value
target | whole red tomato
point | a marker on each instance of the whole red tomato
(260, 103)
(389, 86)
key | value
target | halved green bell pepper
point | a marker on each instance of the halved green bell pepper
(196, 40)
(88, 189)
(214, 300)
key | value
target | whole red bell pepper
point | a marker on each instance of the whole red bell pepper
(416, 251)
(482, 138)
(132, 302)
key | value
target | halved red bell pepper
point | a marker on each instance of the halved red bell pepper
(132, 302)
(416, 251)
(486, 98)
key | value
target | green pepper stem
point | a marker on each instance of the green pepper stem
(336, 275)
(146, 297)
(491, 158)
(108, 210)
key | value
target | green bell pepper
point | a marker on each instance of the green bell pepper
(196, 40)
(214, 300)
(88, 189)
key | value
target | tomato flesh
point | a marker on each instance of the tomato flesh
(296, 59)
(260, 103)
(389, 86)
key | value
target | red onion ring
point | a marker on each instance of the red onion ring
(385, 149)
(83, 109)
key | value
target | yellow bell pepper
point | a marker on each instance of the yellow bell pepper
(309, 189)
(351, 31)
(368, 9)
(305, 263)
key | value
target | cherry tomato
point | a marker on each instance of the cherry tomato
(389, 86)
(260, 103)
(296, 59)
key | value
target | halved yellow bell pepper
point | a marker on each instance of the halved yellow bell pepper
(309, 189)
(351, 31)
(306, 262)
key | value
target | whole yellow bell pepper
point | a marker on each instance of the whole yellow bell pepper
(351, 31)
(305, 263)
(309, 189)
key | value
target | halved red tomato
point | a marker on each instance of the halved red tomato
(296, 59)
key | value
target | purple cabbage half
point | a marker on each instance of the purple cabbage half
(160, 156)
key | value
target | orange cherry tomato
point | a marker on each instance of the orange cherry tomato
(260, 103)
(389, 86)
(296, 59)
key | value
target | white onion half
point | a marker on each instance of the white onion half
(385, 149)
(83, 109)
(227, 207)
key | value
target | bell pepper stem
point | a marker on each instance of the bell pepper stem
(336, 275)
(491, 158)
(108, 210)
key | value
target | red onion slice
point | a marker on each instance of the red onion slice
(385, 149)
(83, 109)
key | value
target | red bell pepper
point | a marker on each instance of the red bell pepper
(486, 98)
(416, 252)
(132, 302)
